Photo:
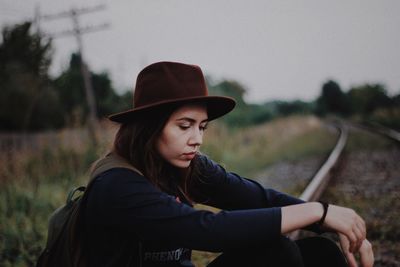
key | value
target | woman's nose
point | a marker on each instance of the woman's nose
(196, 137)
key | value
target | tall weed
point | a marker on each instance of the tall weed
(33, 183)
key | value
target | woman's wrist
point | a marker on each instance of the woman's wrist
(326, 207)
(318, 211)
(301, 215)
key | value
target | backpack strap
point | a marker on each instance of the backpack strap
(70, 197)
(110, 161)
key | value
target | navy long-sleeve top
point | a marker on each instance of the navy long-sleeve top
(130, 222)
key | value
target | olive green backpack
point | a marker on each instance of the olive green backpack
(65, 245)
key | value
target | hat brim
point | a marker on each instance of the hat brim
(217, 106)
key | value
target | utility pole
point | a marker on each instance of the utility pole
(36, 19)
(77, 32)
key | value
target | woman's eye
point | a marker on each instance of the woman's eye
(184, 127)
(203, 127)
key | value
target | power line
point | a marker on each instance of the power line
(74, 12)
(82, 30)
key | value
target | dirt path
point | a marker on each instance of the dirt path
(290, 176)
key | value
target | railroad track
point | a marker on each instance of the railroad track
(368, 182)
(320, 181)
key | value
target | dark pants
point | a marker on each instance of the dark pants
(308, 252)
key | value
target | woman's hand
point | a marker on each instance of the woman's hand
(366, 253)
(347, 222)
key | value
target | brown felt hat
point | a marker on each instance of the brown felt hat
(165, 83)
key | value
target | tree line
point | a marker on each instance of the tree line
(31, 100)
(363, 103)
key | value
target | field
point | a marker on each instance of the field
(37, 171)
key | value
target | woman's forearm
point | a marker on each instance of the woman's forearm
(299, 216)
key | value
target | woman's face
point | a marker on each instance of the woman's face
(182, 135)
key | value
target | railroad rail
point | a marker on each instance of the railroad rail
(377, 128)
(321, 179)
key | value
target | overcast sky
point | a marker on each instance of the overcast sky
(276, 49)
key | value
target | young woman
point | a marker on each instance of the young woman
(139, 210)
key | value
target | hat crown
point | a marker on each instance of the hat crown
(165, 81)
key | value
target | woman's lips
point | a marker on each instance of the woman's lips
(189, 155)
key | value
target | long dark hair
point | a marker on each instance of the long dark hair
(136, 142)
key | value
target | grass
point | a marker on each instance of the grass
(34, 182)
(29, 194)
(250, 150)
